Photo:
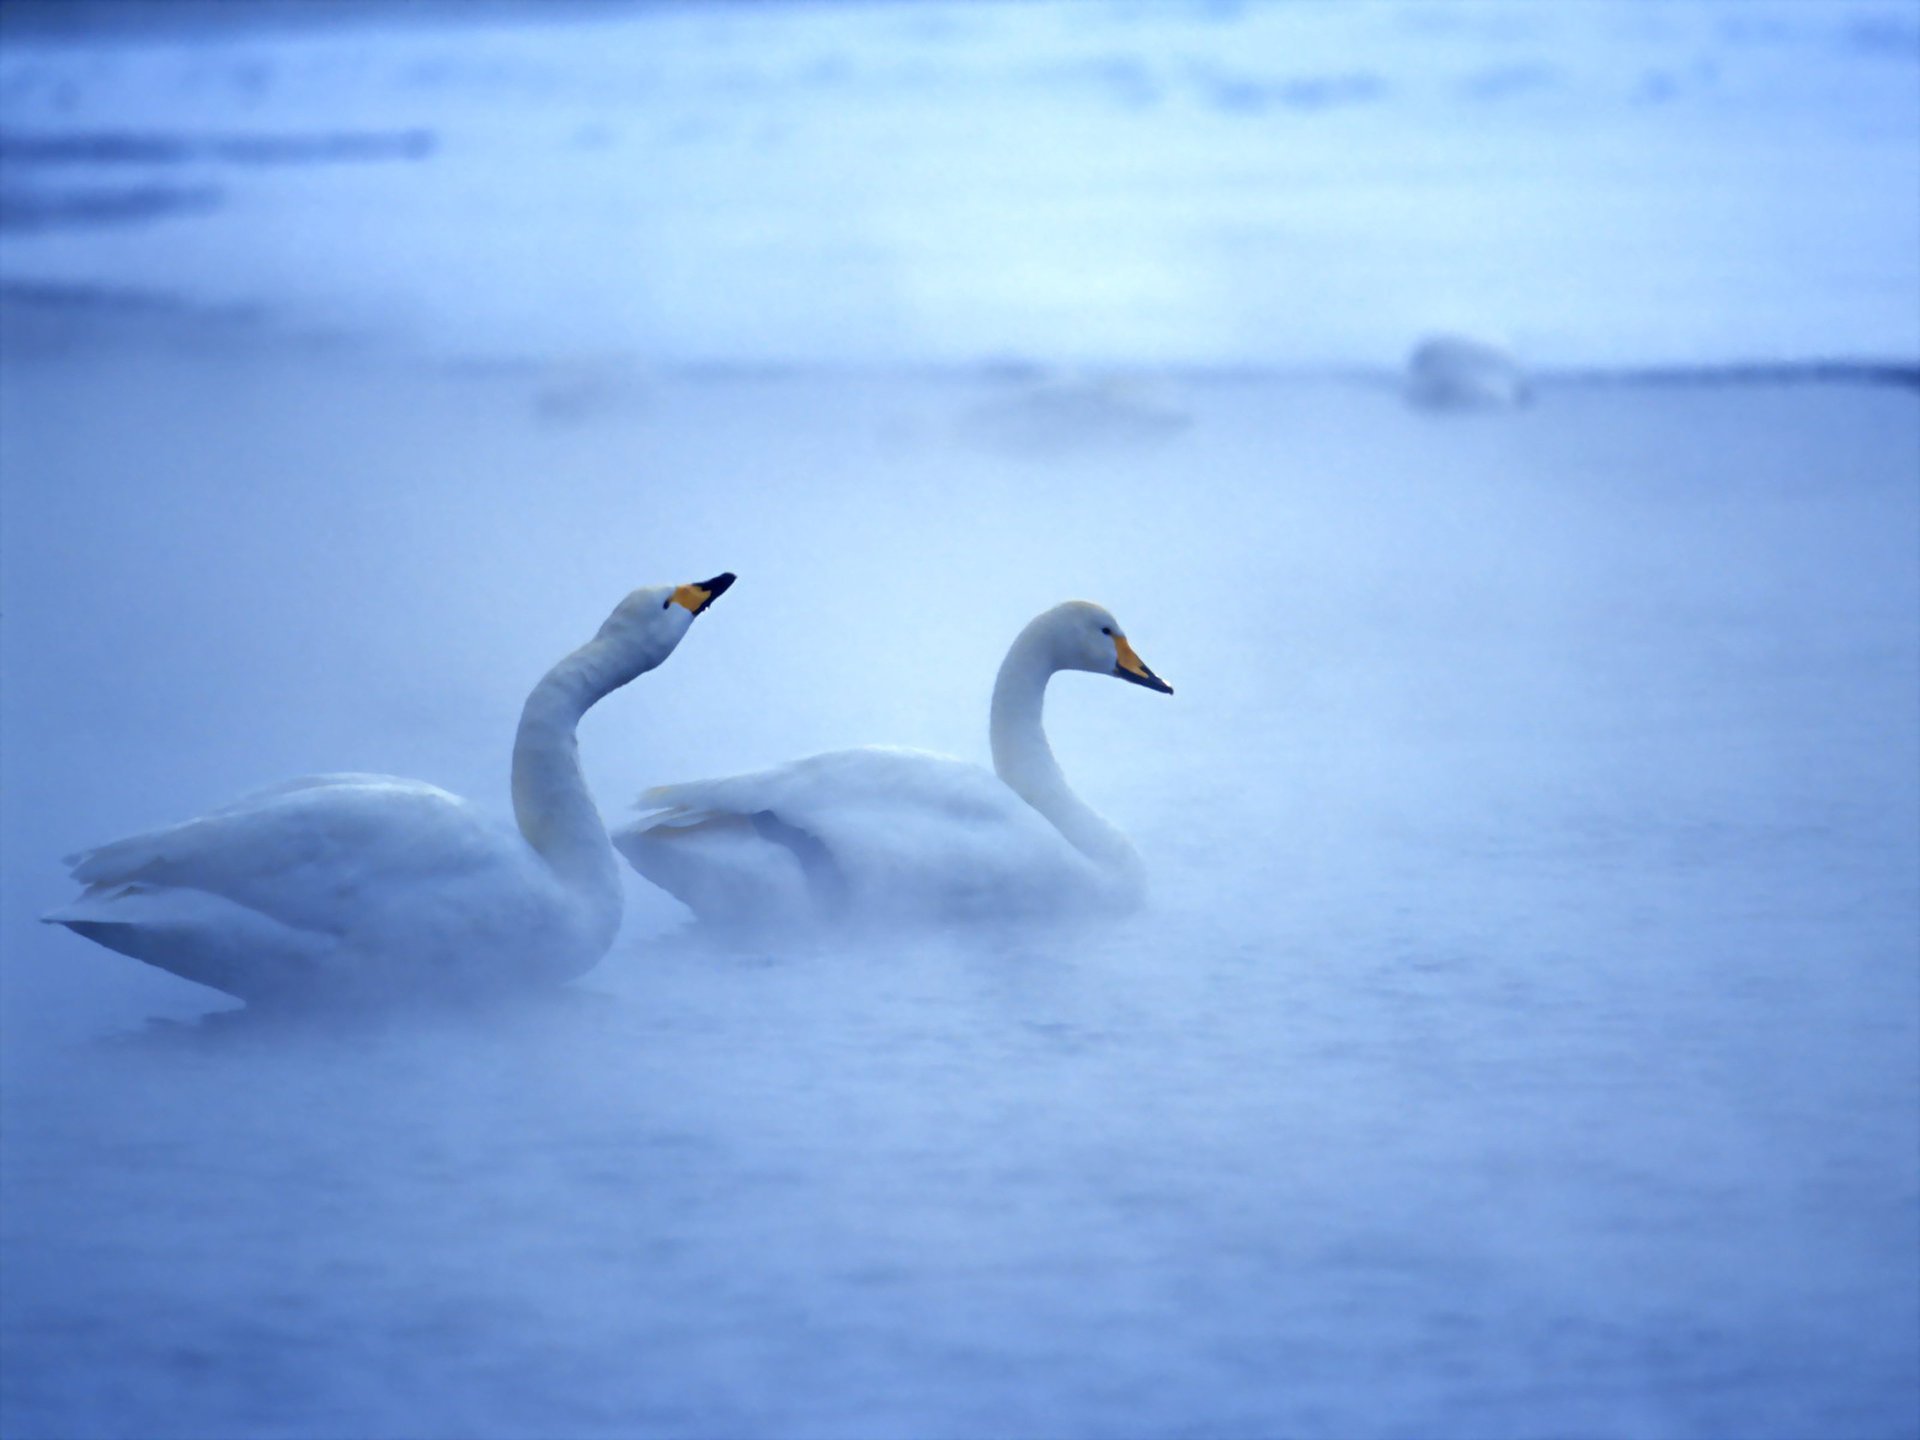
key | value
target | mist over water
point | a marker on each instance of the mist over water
(1523, 1036)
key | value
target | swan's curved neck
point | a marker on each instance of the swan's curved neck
(555, 812)
(1024, 761)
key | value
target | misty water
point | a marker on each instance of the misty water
(1523, 1034)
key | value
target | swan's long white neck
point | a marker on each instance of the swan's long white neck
(1024, 761)
(555, 812)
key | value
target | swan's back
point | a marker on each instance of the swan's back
(880, 832)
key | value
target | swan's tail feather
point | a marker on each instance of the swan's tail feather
(199, 936)
(146, 856)
(87, 904)
(118, 862)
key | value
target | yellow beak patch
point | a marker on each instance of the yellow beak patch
(693, 598)
(1129, 666)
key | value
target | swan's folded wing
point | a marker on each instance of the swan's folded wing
(258, 814)
(295, 851)
(821, 785)
(895, 828)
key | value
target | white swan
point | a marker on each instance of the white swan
(887, 834)
(366, 887)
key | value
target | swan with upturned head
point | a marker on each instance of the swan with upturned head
(884, 834)
(369, 888)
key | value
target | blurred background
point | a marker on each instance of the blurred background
(1291, 184)
(1500, 422)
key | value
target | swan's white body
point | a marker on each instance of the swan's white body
(370, 887)
(882, 834)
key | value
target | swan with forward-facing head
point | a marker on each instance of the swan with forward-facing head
(887, 834)
(367, 887)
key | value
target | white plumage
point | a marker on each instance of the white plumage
(884, 834)
(371, 887)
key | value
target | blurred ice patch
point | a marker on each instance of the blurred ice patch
(1456, 372)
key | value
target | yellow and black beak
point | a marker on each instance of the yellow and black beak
(697, 597)
(1129, 666)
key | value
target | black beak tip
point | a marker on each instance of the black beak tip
(717, 586)
(1150, 680)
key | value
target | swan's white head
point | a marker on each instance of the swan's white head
(1086, 637)
(652, 620)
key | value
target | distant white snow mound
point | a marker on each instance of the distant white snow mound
(1454, 372)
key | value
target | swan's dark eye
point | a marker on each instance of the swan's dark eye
(1106, 630)
(666, 603)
